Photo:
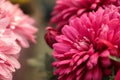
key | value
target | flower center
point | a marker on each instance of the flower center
(99, 45)
(82, 44)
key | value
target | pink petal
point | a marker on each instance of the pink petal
(117, 77)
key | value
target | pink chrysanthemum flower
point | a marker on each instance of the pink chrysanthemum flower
(67, 9)
(82, 50)
(9, 50)
(16, 29)
(20, 24)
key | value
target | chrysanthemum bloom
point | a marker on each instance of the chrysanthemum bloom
(67, 9)
(20, 24)
(16, 29)
(9, 50)
(82, 50)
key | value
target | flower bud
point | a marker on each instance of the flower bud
(50, 36)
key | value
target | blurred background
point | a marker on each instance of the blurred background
(36, 60)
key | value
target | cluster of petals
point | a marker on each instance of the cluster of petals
(82, 50)
(65, 10)
(9, 53)
(22, 25)
(16, 29)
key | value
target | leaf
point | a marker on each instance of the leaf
(114, 58)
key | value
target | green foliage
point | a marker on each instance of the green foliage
(48, 67)
(114, 58)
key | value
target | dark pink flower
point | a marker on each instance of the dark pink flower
(67, 9)
(82, 50)
(21, 24)
(50, 36)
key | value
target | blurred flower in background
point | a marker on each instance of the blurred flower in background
(36, 61)
(22, 25)
(17, 30)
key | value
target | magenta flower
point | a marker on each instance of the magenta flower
(67, 9)
(20, 24)
(82, 50)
